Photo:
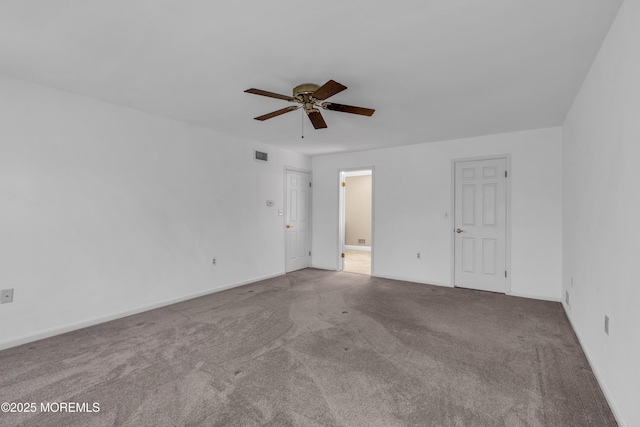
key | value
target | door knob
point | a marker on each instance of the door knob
(459, 231)
(289, 226)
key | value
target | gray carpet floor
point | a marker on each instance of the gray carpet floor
(316, 348)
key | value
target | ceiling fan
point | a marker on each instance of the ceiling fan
(310, 97)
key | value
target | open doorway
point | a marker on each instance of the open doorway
(356, 221)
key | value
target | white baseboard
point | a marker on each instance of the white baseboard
(357, 248)
(101, 319)
(409, 279)
(603, 386)
(538, 297)
(323, 267)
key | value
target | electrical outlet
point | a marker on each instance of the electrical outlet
(214, 261)
(566, 298)
(418, 255)
(606, 324)
(6, 296)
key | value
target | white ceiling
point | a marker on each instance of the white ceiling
(432, 69)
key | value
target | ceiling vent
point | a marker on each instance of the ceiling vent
(260, 156)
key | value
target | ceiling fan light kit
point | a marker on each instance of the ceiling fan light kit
(310, 97)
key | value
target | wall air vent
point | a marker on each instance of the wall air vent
(260, 156)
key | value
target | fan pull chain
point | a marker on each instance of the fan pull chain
(302, 124)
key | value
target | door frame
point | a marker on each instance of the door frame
(284, 212)
(341, 214)
(507, 243)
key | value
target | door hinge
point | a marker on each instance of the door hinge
(505, 273)
(309, 185)
(309, 253)
(342, 255)
(344, 184)
(505, 174)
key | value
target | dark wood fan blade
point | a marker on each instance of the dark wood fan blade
(348, 109)
(276, 113)
(328, 89)
(269, 94)
(316, 119)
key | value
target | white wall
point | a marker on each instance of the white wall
(106, 210)
(412, 192)
(601, 230)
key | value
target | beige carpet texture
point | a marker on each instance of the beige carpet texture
(316, 348)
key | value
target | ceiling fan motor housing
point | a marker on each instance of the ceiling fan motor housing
(304, 89)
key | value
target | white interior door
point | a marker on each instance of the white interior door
(297, 218)
(480, 225)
